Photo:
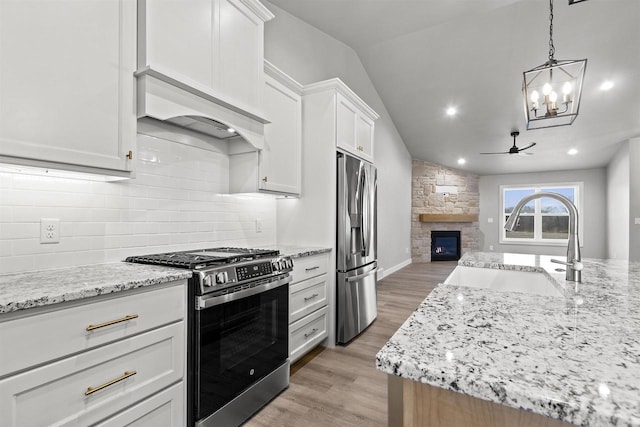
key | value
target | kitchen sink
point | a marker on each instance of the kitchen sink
(503, 280)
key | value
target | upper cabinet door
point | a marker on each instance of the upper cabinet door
(216, 46)
(66, 84)
(280, 159)
(354, 129)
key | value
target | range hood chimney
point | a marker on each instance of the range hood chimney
(192, 106)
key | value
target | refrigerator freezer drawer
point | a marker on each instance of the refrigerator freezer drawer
(356, 297)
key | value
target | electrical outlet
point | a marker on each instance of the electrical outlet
(49, 230)
(637, 221)
(258, 226)
(490, 220)
(490, 247)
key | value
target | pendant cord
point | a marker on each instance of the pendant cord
(552, 49)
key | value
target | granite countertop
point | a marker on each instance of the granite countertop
(300, 251)
(19, 291)
(574, 358)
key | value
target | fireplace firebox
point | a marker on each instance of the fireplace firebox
(445, 245)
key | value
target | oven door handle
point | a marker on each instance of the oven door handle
(203, 302)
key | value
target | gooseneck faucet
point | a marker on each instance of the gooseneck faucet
(574, 260)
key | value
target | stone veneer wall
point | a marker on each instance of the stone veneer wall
(425, 177)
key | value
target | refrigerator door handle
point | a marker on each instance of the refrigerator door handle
(366, 215)
(362, 276)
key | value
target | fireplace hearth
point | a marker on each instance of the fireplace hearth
(445, 245)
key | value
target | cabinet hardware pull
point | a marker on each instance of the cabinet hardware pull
(127, 374)
(313, 331)
(112, 322)
(265, 179)
(312, 268)
(130, 155)
(311, 297)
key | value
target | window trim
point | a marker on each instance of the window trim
(579, 196)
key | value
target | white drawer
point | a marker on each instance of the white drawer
(166, 408)
(306, 297)
(307, 267)
(33, 340)
(306, 333)
(55, 394)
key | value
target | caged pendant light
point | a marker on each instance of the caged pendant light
(552, 90)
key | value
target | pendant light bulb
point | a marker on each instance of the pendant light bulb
(546, 89)
(553, 97)
(567, 88)
(535, 96)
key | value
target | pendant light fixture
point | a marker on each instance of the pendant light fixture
(552, 90)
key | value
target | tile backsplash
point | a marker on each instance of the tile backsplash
(177, 201)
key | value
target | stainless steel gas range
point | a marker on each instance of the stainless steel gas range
(238, 338)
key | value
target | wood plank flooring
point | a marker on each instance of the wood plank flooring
(341, 386)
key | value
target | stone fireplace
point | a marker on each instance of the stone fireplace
(443, 199)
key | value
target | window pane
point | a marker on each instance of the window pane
(555, 227)
(553, 206)
(513, 196)
(523, 228)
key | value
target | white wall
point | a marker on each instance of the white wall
(593, 218)
(174, 203)
(634, 195)
(309, 55)
(618, 191)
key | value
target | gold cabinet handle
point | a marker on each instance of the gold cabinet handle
(127, 374)
(311, 297)
(312, 268)
(112, 322)
(265, 179)
(313, 331)
(130, 155)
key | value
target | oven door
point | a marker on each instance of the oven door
(239, 339)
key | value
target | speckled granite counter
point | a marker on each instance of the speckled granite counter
(575, 358)
(19, 291)
(300, 251)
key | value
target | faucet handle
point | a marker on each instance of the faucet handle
(575, 264)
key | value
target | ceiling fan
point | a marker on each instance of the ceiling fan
(514, 149)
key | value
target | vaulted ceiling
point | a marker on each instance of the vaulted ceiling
(424, 56)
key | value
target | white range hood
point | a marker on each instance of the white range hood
(188, 104)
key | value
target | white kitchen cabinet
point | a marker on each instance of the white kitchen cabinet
(214, 45)
(67, 97)
(354, 129)
(275, 168)
(349, 118)
(308, 320)
(88, 366)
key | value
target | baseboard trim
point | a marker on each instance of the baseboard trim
(391, 270)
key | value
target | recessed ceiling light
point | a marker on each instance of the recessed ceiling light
(451, 111)
(606, 85)
(572, 152)
(231, 130)
(461, 161)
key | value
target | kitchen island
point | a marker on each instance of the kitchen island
(490, 357)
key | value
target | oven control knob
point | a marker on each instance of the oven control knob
(289, 263)
(274, 266)
(221, 278)
(208, 280)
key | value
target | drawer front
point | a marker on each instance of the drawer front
(306, 297)
(306, 333)
(166, 408)
(47, 336)
(307, 267)
(56, 394)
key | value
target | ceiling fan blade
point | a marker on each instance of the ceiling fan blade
(527, 147)
(502, 152)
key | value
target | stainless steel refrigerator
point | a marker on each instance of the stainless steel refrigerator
(356, 255)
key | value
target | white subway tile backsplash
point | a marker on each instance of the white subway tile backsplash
(174, 203)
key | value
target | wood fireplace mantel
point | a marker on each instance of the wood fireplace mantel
(448, 218)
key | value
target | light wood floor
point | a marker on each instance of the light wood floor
(341, 386)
